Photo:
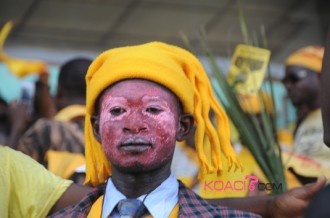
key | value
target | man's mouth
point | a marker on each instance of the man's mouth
(135, 145)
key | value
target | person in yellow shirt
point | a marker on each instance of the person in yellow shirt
(28, 190)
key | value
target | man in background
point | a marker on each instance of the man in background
(64, 130)
(302, 81)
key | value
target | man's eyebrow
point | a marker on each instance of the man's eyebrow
(108, 101)
(152, 98)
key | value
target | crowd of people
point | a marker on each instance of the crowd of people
(126, 136)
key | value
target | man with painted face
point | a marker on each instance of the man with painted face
(303, 84)
(140, 100)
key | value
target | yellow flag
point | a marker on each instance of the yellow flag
(17, 66)
(4, 33)
(248, 68)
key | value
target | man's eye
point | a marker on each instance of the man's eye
(117, 111)
(153, 110)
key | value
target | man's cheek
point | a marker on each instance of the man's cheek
(108, 135)
(106, 125)
(165, 136)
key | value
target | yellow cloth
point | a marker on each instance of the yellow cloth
(285, 138)
(308, 140)
(63, 163)
(310, 57)
(305, 166)
(71, 112)
(97, 208)
(185, 164)
(179, 71)
(229, 178)
(255, 103)
(19, 67)
(27, 189)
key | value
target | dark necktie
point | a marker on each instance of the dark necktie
(131, 208)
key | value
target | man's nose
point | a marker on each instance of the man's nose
(135, 124)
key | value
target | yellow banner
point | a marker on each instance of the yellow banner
(248, 68)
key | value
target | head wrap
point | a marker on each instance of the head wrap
(309, 57)
(177, 70)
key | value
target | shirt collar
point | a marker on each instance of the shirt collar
(160, 202)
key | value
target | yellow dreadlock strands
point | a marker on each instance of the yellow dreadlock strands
(205, 167)
(212, 136)
(200, 138)
(218, 147)
(211, 133)
(90, 168)
(98, 168)
(217, 140)
(91, 171)
(202, 85)
(225, 136)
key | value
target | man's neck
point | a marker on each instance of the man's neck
(137, 184)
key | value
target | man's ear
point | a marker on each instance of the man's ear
(96, 127)
(186, 122)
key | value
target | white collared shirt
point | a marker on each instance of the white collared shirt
(160, 202)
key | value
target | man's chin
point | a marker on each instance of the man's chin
(136, 168)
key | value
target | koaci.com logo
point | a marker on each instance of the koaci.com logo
(250, 182)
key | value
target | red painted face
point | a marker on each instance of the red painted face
(138, 125)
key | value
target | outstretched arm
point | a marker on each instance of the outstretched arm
(288, 204)
(43, 102)
(73, 195)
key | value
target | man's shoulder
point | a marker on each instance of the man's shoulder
(192, 205)
(47, 134)
(41, 123)
(314, 118)
(83, 207)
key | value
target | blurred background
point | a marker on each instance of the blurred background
(57, 30)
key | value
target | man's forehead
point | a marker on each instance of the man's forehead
(144, 98)
(147, 90)
(132, 84)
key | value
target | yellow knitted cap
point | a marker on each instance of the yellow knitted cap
(310, 57)
(179, 71)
